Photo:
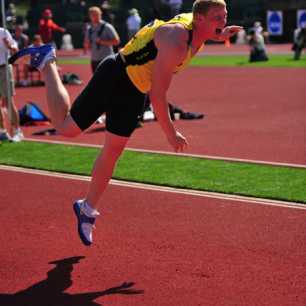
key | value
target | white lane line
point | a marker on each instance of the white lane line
(213, 195)
(250, 161)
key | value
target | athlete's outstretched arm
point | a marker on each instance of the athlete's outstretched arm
(226, 33)
(171, 42)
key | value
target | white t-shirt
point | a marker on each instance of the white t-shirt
(258, 42)
(133, 22)
(3, 49)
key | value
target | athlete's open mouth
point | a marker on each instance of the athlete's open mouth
(218, 31)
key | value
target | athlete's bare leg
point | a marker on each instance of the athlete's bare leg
(104, 166)
(2, 124)
(59, 102)
(59, 106)
(86, 211)
(15, 116)
(12, 119)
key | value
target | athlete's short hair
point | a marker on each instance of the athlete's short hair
(95, 9)
(203, 6)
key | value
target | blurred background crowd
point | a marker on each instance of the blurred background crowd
(101, 27)
(71, 16)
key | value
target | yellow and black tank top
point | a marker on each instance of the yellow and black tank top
(139, 53)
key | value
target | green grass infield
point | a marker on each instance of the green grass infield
(275, 60)
(272, 182)
(285, 60)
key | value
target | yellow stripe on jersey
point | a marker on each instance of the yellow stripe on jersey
(139, 53)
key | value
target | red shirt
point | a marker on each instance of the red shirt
(46, 28)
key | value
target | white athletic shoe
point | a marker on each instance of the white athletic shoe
(18, 136)
(85, 223)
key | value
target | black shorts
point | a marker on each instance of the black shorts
(110, 91)
(94, 65)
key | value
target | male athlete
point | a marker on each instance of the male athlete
(145, 65)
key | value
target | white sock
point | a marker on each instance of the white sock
(17, 130)
(89, 211)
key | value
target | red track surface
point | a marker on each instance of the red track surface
(252, 113)
(179, 249)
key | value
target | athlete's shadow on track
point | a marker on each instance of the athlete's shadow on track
(50, 291)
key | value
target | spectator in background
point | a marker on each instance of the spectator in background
(241, 38)
(47, 26)
(21, 38)
(299, 42)
(10, 15)
(133, 22)
(100, 37)
(257, 27)
(108, 16)
(22, 41)
(36, 42)
(11, 11)
(257, 47)
(7, 44)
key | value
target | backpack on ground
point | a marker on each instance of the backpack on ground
(71, 79)
(31, 114)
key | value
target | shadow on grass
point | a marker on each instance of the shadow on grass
(242, 63)
(51, 291)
